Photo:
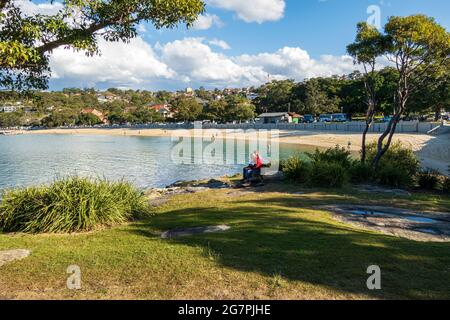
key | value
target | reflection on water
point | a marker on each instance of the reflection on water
(145, 161)
(421, 219)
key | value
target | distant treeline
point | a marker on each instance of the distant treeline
(312, 96)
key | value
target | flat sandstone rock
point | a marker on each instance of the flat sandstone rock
(411, 224)
(12, 255)
(193, 231)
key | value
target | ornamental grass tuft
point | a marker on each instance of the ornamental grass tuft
(72, 204)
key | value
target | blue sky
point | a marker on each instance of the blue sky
(318, 26)
(239, 43)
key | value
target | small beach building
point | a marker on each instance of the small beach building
(275, 117)
(296, 118)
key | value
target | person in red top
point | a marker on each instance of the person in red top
(255, 166)
(259, 162)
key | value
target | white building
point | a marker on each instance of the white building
(163, 110)
(189, 92)
(101, 98)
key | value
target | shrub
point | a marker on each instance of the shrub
(282, 165)
(296, 169)
(361, 172)
(446, 185)
(337, 154)
(393, 176)
(330, 168)
(429, 179)
(70, 205)
(399, 162)
(397, 155)
(328, 174)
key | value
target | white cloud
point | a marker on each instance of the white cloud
(30, 8)
(195, 61)
(296, 63)
(190, 60)
(206, 21)
(220, 43)
(253, 11)
(250, 11)
(120, 64)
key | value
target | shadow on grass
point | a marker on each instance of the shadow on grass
(280, 236)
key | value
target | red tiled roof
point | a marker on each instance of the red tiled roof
(158, 107)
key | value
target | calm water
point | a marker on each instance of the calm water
(145, 161)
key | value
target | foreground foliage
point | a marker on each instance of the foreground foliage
(429, 179)
(398, 167)
(70, 205)
(333, 168)
(280, 246)
(329, 168)
(296, 169)
(26, 41)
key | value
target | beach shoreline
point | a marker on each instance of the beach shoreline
(432, 151)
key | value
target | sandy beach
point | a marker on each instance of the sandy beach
(433, 151)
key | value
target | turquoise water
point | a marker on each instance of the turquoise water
(145, 161)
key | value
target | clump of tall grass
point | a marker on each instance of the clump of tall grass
(70, 205)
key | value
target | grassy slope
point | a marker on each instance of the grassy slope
(279, 247)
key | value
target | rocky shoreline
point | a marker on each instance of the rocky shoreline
(159, 196)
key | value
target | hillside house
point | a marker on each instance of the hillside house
(163, 109)
(96, 113)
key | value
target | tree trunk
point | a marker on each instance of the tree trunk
(382, 148)
(370, 88)
(369, 122)
(402, 95)
(437, 113)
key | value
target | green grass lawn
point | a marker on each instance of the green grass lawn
(279, 247)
